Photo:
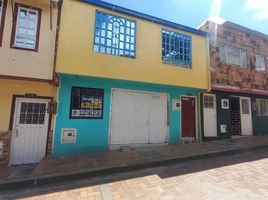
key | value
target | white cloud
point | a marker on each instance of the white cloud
(259, 7)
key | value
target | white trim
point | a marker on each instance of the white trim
(196, 118)
(139, 92)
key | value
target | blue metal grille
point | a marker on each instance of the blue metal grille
(114, 35)
(176, 49)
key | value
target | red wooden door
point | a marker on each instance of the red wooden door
(188, 117)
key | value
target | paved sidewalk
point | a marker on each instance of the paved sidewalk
(51, 170)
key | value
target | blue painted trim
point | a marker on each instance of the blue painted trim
(145, 16)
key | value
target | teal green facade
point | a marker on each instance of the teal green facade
(93, 134)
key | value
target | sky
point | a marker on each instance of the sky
(252, 14)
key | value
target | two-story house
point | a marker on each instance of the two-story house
(238, 102)
(27, 45)
(127, 78)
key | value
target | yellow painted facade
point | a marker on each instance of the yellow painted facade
(24, 63)
(13, 87)
(76, 56)
(21, 63)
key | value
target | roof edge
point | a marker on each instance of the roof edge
(143, 16)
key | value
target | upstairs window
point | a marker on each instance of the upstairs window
(2, 13)
(262, 107)
(233, 55)
(1, 10)
(176, 49)
(261, 64)
(114, 35)
(27, 27)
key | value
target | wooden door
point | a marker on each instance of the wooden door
(188, 117)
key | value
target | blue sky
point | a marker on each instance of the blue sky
(249, 13)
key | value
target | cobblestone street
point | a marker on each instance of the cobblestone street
(240, 176)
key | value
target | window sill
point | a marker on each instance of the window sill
(22, 48)
(180, 65)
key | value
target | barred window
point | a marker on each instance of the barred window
(262, 107)
(176, 49)
(114, 35)
(261, 64)
(233, 55)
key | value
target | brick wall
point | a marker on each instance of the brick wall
(5, 138)
(49, 143)
(232, 75)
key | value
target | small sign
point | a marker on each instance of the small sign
(176, 104)
(223, 128)
(225, 103)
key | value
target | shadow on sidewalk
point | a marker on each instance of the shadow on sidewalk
(166, 171)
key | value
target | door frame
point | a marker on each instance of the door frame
(196, 117)
(250, 110)
(140, 92)
(12, 115)
(216, 113)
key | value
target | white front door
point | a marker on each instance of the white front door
(210, 119)
(246, 118)
(30, 129)
(138, 118)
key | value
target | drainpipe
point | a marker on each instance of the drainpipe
(208, 90)
(55, 77)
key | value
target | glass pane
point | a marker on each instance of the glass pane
(113, 35)
(245, 106)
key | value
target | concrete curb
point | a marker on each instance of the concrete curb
(50, 179)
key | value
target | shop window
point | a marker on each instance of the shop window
(233, 55)
(262, 107)
(261, 64)
(176, 49)
(26, 29)
(114, 35)
(86, 103)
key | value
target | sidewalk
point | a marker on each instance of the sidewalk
(51, 170)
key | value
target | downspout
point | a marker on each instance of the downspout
(55, 77)
(208, 90)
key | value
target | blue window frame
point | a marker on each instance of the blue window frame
(114, 35)
(176, 49)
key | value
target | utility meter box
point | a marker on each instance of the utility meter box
(68, 135)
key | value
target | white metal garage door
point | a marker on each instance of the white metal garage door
(138, 118)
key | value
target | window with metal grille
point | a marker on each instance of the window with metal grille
(32, 113)
(262, 107)
(176, 49)
(26, 29)
(233, 55)
(261, 64)
(114, 35)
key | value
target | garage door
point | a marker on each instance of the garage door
(138, 118)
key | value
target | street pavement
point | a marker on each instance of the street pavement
(240, 176)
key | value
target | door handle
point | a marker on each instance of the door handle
(17, 133)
